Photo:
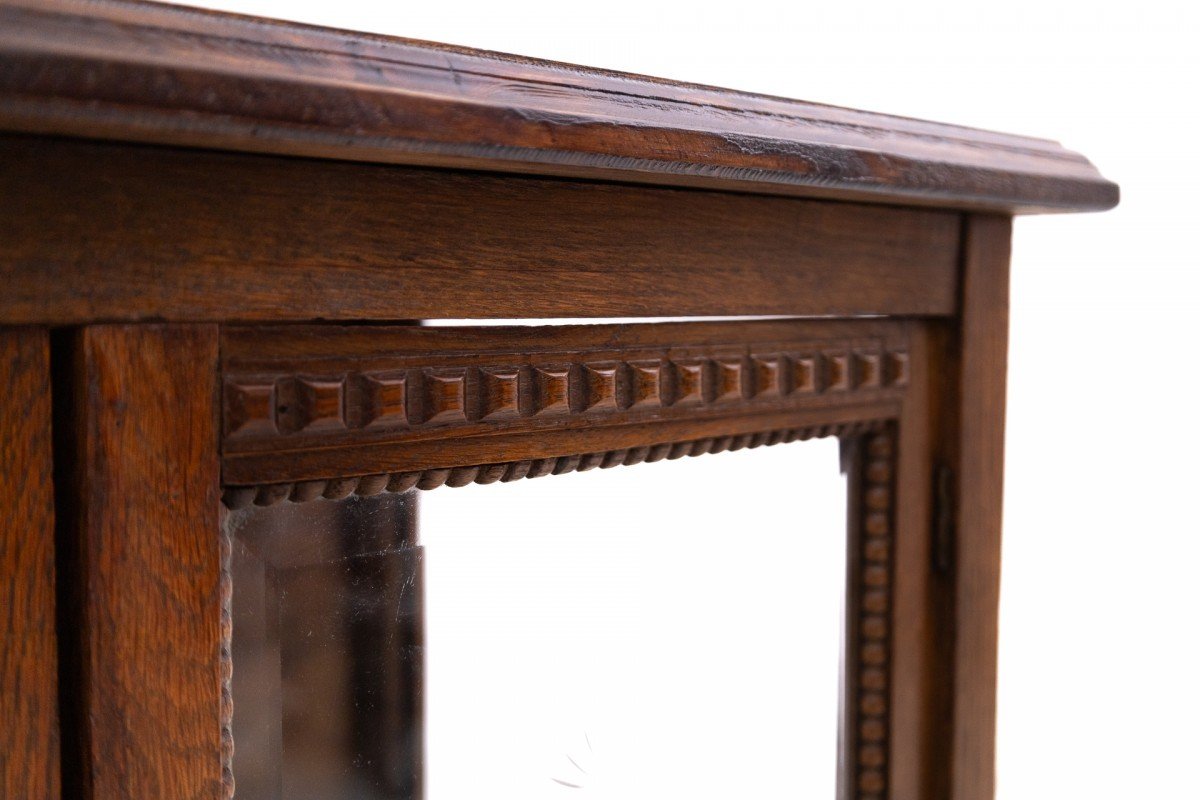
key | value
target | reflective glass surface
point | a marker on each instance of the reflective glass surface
(669, 629)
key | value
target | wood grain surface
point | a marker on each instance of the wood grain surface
(161, 74)
(111, 232)
(978, 499)
(149, 539)
(29, 735)
(916, 678)
(209, 176)
(313, 402)
(338, 488)
(868, 680)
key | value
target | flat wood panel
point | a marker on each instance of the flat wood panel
(978, 498)
(154, 73)
(265, 347)
(29, 736)
(114, 232)
(149, 528)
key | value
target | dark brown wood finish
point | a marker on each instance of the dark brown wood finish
(975, 451)
(148, 532)
(209, 176)
(162, 74)
(122, 233)
(871, 451)
(916, 677)
(309, 403)
(426, 407)
(29, 735)
(549, 461)
(870, 686)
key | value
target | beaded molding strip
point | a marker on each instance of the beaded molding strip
(869, 636)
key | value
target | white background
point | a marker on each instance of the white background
(1099, 695)
(639, 632)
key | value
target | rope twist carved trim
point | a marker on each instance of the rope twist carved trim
(239, 497)
(226, 658)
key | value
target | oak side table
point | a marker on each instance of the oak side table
(218, 233)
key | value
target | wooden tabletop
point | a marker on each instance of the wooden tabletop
(151, 73)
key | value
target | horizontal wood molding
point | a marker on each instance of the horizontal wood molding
(239, 497)
(113, 232)
(306, 403)
(161, 74)
(436, 395)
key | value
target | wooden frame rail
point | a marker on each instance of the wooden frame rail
(312, 413)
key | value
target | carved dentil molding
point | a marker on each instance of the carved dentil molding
(439, 395)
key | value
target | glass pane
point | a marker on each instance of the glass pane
(327, 650)
(634, 632)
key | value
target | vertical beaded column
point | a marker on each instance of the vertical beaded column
(870, 607)
(226, 588)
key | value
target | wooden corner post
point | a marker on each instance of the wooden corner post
(148, 483)
(969, 494)
(29, 760)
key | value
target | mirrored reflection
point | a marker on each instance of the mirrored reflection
(634, 632)
(327, 650)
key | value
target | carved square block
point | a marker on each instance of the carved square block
(320, 403)
(645, 384)
(444, 396)
(598, 388)
(249, 409)
(896, 371)
(382, 401)
(767, 376)
(309, 404)
(727, 379)
(868, 370)
(804, 374)
(551, 389)
(836, 366)
(689, 382)
(496, 395)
